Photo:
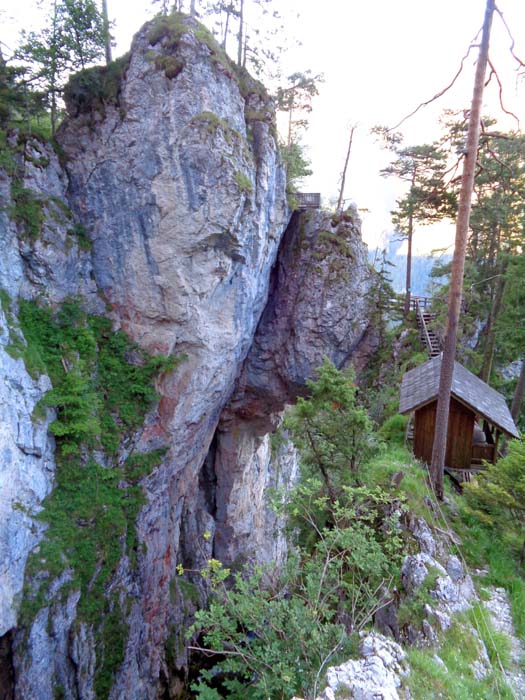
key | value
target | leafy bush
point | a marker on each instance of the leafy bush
(497, 496)
(272, 635)
(393, 429)
(92, 89)
(28, 210)
(454, 679)
(332, 433)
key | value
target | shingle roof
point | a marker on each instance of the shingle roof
(421, 385)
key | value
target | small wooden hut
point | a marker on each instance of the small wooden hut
(478, 416)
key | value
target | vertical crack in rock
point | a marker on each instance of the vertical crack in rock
(6, 668)
(318, 307)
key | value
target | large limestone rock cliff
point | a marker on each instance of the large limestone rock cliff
(169, 215)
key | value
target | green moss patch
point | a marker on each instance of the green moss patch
(27, 210)
(171, 65)
(93, 89)
(167, 29)
(243, 182)
(328, 243)
(102, 388)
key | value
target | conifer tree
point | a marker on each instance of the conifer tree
(427, 200)
(74, 37)
(458, 263)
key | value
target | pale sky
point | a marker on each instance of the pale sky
(380, 59)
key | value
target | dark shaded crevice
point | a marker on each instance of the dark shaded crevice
(208, 479)
(7, 676)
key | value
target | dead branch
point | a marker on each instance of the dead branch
(512, 42)
(495, 135)
(438, 94)
(494, 72)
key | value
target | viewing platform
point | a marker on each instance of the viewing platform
(307, 200)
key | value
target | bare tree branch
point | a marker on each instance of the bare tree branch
(494, 72)
(438, 94)
(513, 43)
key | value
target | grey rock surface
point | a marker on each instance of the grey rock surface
(180, 190)
(498, 607)
(52, 265)
(247, 469)
(378, 673)
(319, 307)
(443, 577)
(184, 214)
(26, 470)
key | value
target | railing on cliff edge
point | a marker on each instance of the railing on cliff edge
(307, 200)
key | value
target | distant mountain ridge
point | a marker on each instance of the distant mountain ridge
(422, 282)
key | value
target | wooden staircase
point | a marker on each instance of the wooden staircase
(428, 335)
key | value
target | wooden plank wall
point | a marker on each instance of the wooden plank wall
(460, 430)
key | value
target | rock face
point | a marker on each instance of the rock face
(443, 577)
(319, 306)
(26, 473)
(51, 265)
(170, 215)
(378, 673)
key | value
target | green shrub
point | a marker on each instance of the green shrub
(393, 429)
(27, 210)
(77, 405)
(273, 636)
(243, 182)
(79, 232)
(412, 609)
(331, 431)
(171, 65)
(92, 89)
(489, 522)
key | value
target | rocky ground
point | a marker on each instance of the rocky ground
(499, 608)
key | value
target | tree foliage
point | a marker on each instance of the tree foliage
(492, 299)
(427, 199)
(332, 432)
(74, 36)
(274, 635)
(497, 496)
(253, 27)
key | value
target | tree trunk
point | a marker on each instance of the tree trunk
(490, 331)
(107, 35)
(408, 283)
(241, 34)
(518, 394)
(458, 262)
(193, 10)
(54, 72)
(343, 176)
(226, 28)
